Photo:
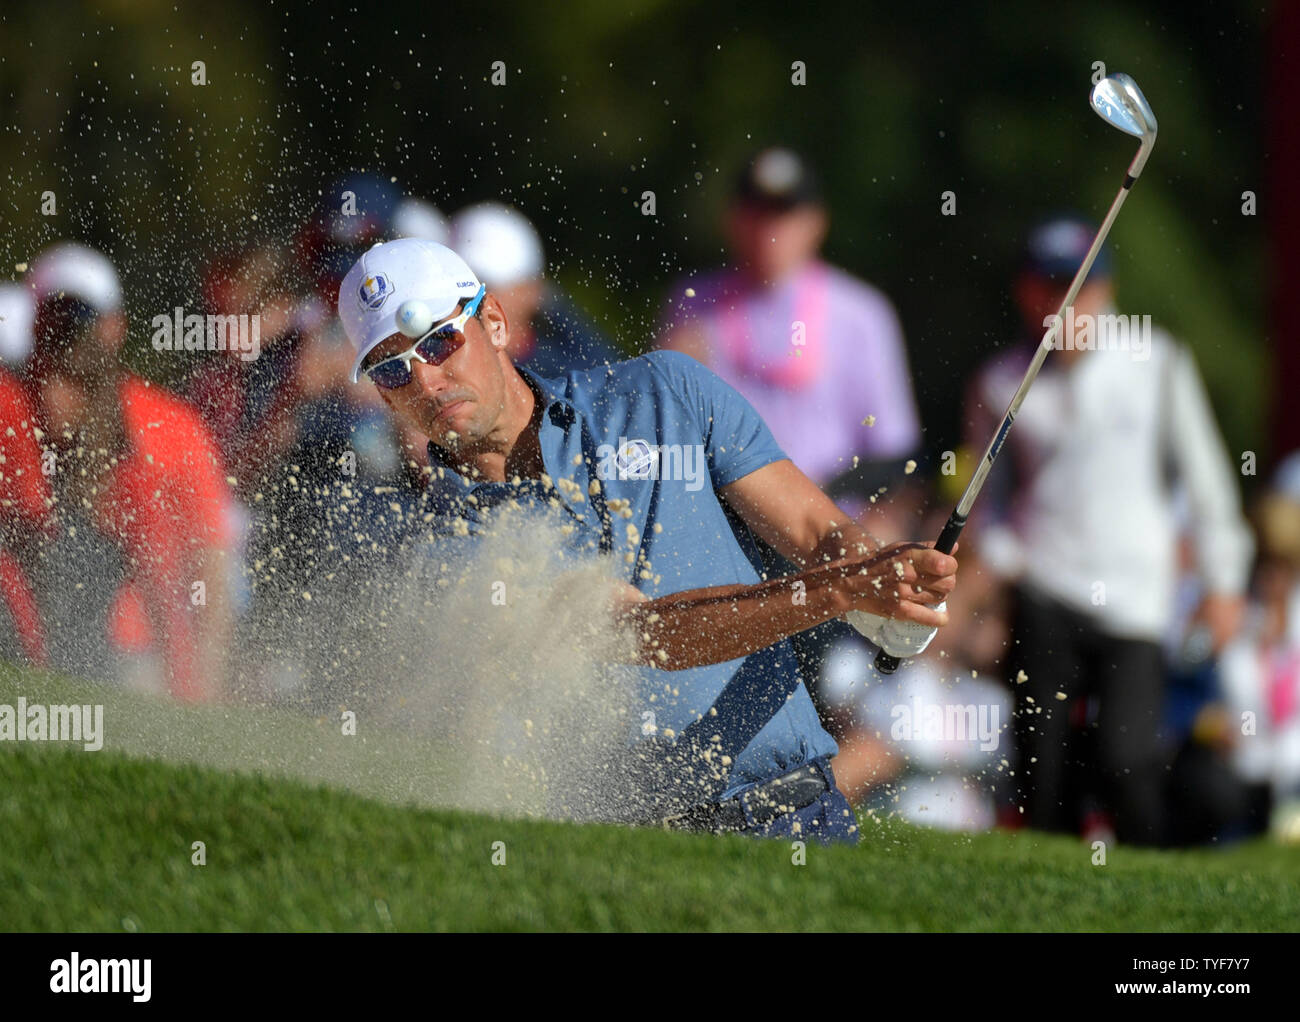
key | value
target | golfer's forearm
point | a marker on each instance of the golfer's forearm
(845, 539)
(787, 511)
(721, 623)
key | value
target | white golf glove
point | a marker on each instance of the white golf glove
(901, 639)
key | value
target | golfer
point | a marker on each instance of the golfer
(658, 463)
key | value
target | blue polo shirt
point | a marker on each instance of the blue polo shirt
(661, 434)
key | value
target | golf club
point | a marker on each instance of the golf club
(1120, 103)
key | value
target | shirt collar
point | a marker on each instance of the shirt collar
(557, 410)
(552, 391)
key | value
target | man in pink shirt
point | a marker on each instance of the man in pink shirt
(816, 351)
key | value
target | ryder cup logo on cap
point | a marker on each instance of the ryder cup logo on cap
(374, 291)
(392, 273)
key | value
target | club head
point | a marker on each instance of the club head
(1120, 103)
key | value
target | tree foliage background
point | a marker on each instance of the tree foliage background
(605, 100)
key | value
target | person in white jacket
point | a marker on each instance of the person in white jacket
(1081, 518)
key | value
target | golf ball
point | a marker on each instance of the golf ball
(414, 318)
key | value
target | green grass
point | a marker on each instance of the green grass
(379, 762)
(102, 841)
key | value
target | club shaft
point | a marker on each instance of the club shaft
(1040, 356)
(885, 663)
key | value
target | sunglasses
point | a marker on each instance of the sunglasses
(434, 348)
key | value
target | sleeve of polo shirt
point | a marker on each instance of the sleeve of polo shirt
(736, 439)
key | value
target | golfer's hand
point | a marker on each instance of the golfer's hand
(903, 581)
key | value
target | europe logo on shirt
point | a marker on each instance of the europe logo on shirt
(636, 459)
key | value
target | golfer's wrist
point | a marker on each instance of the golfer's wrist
(824, 592)
(850, 542)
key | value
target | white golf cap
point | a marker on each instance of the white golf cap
(77, 271)
(394, 272)
(415, 218)
(17, 316)
(499, 242)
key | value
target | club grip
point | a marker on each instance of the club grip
(951, 531)
(886, 664)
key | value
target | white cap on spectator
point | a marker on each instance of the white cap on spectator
(499, 242)
(17, 316)
(394, 272)
(415, 218)
(77, 271)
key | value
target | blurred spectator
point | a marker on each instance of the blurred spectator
(1080, 514)
(547, 333)
(24, 517)
(17, 311)
(928, 742)
(415, 218)
(348, 486)
(925, 742)
(1261, 667)
(354, 213)
(817, 352)
(249, 404)
(1209, 800)
(135, 511)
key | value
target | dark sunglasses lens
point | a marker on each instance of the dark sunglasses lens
(439, 345)
(389, 375)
